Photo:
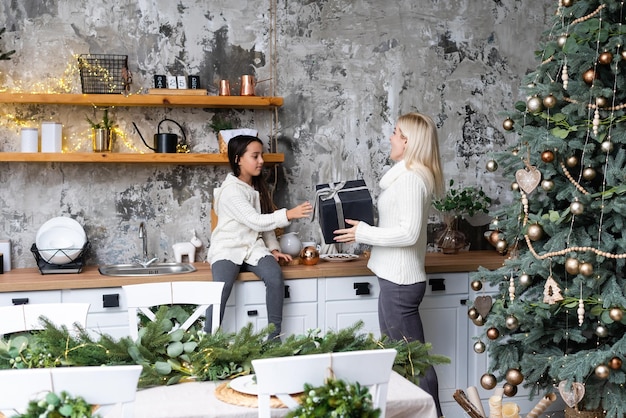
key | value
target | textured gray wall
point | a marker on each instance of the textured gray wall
(346, 69)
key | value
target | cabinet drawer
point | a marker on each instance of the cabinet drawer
(301, 290)
(36, 296)
(447, 284)
(100, 300)
(347, 288)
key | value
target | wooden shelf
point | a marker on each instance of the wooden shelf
(145, 100)
(115, 157)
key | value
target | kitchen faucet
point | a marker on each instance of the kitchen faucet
(144, 236)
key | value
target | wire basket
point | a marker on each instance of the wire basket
(74, 266)
(104, 73)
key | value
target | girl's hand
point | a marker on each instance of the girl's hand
(278, 256)
(301, 211)
(347, 235)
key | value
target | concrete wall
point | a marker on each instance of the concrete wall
(346, 69)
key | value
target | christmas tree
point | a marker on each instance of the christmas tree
(557, 324)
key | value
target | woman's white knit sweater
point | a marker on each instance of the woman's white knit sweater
(399, 240)
(242, 232)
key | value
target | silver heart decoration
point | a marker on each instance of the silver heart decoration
(528, 180)
(572, 395)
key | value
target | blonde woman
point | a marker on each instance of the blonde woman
(399, 240)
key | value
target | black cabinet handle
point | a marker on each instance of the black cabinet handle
(437, 284)
(463, 302)
(111, 301)
(253, 313)
(287, 295)
(19, 301)
(362, 288)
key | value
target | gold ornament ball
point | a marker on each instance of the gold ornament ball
(514, 376)
(502, 246)
(514, 186)
(525, 280)
(586, 269)
(494, 237)
(511, 322)
(310, 256)
(560, 41)
(616, 314)
(623, 54)
(534, 104)
(606, 146)
(508, 124)
(589, 76)
(601, 331)
(602, 371)
(547, 185)
(535, 232)
(605, 58)
(479, 321)
(572, 266)
(547, 156)
(472, 313)
(491, 166)
(488, 381)
(589, 173)
(479, 347)
(615, 363)
(476, 285)
(493, 333)
(571, 161)
(577, 208)
(549, 101)
(567, 3)
(601, 101)
(509, 390)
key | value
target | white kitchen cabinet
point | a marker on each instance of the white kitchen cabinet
(107, 309)
(34, 296)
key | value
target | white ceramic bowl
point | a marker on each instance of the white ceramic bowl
(60, 240)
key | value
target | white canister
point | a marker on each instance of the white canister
(51, 137)
(5, 249)
(30, 140)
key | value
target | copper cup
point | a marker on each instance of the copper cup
(247, 85)
(224, 88)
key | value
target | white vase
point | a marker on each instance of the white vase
(290, 244)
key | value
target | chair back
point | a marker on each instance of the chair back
(112, 388)
(141, 297)
(282, 376)
(27, 317)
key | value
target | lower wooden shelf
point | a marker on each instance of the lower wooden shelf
(135, 158)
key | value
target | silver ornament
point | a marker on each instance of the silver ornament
(589, 173)
(479, 347)
(576, 208)
(492, 165)
(547, 185)
(606, 146)
(534, 104)
(525, 280)
(561, 40)
(602, 371)
(511, 322)
(601, 331)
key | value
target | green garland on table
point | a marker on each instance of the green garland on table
(59, 406)
(172, 357)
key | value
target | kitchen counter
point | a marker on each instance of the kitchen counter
(28, 279)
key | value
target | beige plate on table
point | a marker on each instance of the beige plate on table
(339, 257)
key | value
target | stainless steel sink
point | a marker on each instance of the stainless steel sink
(155, 269)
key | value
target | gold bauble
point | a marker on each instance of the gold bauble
(309, 255)
(547, 185)
(488, 381)
(606, 146)
(572, 265)
(491, 166)
(623, 54)
(615, 363)
(535, 232)
(601, 331)
(601, 101)
(525, 280)
(479, 347)
(589, 76)
(571, 161)
(605, 58)
(586, 269)
(514, 186)
(602, 371)
(560, 41)
(476, 285)
(493, 333)
(511, 322)
(616, 314)
(589, 173)
(534, 104)
(509, 390)
(494, 237)
(502, 246)
(547, 156)
(514, 376)
(472, 313)
(576, 208)
(508, 124)
(549, 101)
(567, 3)
(479, 321)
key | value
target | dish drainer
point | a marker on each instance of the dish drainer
(75, 266)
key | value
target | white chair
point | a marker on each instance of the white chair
(27, 317)
(282, 376)
(141, 297)
(112, 388)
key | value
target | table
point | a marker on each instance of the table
(197, 400)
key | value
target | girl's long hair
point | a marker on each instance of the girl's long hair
(236, 148)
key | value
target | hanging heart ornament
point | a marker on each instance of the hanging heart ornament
(528, 178)
(483, 304)
(571, 395)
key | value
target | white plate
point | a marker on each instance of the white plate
(244, 384)
(338, 257)
(60, 240)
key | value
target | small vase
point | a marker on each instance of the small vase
(451, 240)
(102, 140)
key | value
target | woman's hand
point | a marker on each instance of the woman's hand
(278, 256)
(347, 235)
(301, 211)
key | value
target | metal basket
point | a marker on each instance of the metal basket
(75, 266)
(104, 73)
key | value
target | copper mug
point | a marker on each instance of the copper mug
(224, 88)
(247, 85)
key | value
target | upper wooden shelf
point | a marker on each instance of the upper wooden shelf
(154, 100)
(116, 157)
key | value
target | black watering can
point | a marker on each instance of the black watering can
(164, 142)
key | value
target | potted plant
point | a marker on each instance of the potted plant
(458, 202)
(102, 133)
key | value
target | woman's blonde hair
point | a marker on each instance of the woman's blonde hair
(422, 149)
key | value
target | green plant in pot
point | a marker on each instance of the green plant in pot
(458, 202)
(103, 133)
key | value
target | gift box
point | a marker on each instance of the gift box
(339, 201)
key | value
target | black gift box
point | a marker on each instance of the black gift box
(342, 200)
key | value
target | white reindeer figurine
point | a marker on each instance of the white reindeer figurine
(187, 248)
